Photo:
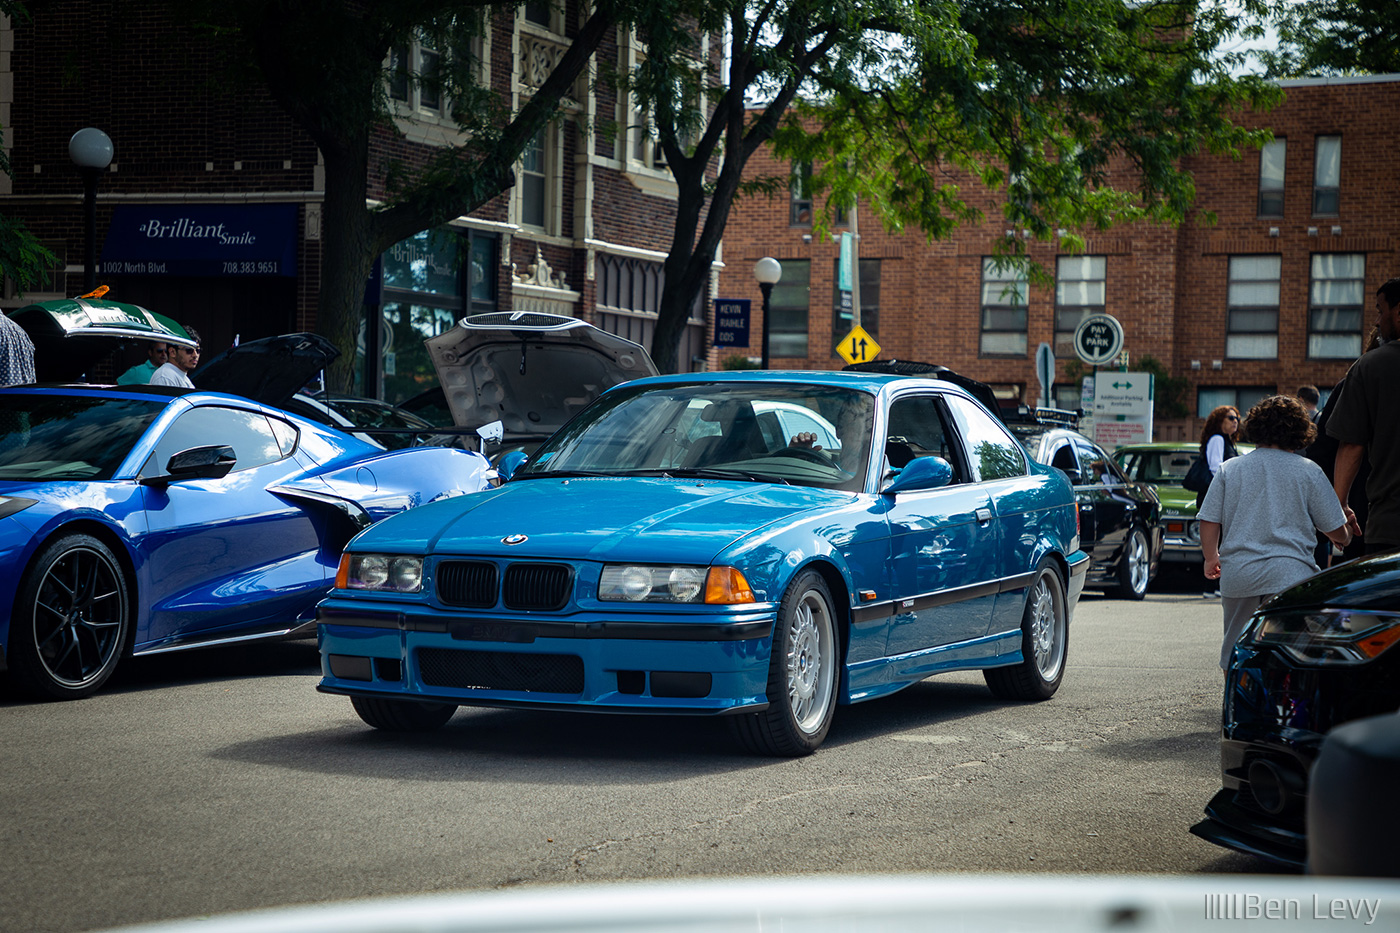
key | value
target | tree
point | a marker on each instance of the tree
(23, 259)
(1038, 99)
(326, 62)
(1332, 37)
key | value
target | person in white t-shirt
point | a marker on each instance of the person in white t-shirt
(181, 362)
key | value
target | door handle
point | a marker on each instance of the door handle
(984, 516)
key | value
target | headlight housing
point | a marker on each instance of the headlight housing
(671, 583)
(1328, 636)
(385, 573)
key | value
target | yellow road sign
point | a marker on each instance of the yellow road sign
(858, 346)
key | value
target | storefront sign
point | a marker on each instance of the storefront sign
(201, 240)
(731, 322)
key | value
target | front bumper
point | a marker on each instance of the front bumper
(713, 663)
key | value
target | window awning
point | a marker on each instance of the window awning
(201, 240)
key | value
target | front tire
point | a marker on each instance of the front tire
(1134, 566)
(72, 620)
(802, 675)
(403, 715)
(1044, 643)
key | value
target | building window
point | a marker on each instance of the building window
(1004, 296)
(1251, 331)
(799, 196)
(787, 332)
(1241, 398)
(1336, 305)
(1271, 163)
(534, 181)
(626, 284)
(1327, 176)
(1080, 290)
(841, 318)
(415, 79)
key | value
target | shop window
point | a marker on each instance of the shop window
(1336, 305)
(1271, 165)
(788, 306)
(1005, 290)
(1252, 319)
(1080, 290)
(1327, 176)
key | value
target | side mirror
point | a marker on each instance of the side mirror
(212, 462)
(510, 462)
(920, 473)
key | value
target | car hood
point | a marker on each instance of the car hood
(533, 372)
(269, 370)
(605, 518)
(71, 334)
(1365, 583)
(1177, 499)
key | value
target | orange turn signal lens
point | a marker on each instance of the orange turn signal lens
(342, 573)
(726, 586)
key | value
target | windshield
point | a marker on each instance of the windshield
(48, 437)
(769, 432)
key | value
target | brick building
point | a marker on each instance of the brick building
(1276, 294)
(210, 211)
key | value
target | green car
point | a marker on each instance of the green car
(1164, 465)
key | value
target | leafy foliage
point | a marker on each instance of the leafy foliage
(1333, 37)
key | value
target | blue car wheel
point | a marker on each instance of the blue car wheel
(403, 715)
(72, 620)
(1044, 643)
(802, 675)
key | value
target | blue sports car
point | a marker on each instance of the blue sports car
(141, 519)
(763, 546)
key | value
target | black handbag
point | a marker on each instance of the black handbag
(1199, 476)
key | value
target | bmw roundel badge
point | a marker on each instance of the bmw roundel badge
(514, 539)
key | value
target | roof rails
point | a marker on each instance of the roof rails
(1049, 416)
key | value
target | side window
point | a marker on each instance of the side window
(286, 435)
(1064, 459)
(993, 453)
(916, 429)
(1094, 466)
(247, 432)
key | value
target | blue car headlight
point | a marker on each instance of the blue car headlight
(638, 583)
(386, 573)
(1327, 636)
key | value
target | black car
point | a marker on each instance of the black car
(1119, 519)
(1315, 656)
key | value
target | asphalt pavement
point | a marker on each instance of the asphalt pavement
(220, 780)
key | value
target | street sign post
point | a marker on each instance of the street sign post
(1098, 339)
(858, 346)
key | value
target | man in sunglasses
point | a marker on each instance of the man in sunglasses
(182, 362)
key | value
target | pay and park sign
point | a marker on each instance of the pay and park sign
(1122, 403)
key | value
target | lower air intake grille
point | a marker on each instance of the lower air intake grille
(468, 583)
(537, 586)
(493, 670)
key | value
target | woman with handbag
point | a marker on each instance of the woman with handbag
(1218, 441)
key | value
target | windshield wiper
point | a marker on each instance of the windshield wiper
(557, 474)
(712, 473)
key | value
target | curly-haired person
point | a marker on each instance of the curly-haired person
(1260, 517)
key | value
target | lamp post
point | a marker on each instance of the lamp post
(91, 150)
(767, 271)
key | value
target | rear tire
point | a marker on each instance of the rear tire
(1044, 643)
(403, 715)
(802, 675)
(1134, 566)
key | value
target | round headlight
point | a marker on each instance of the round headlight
(686, 582)
(407, 574)
(374, 570)
(634, 583)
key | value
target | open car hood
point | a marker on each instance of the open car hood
(71, 335)
(269, 370)
(531, 371)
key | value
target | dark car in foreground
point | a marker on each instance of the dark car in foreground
(682, 546)
(1119, 519)
(1317, 655)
